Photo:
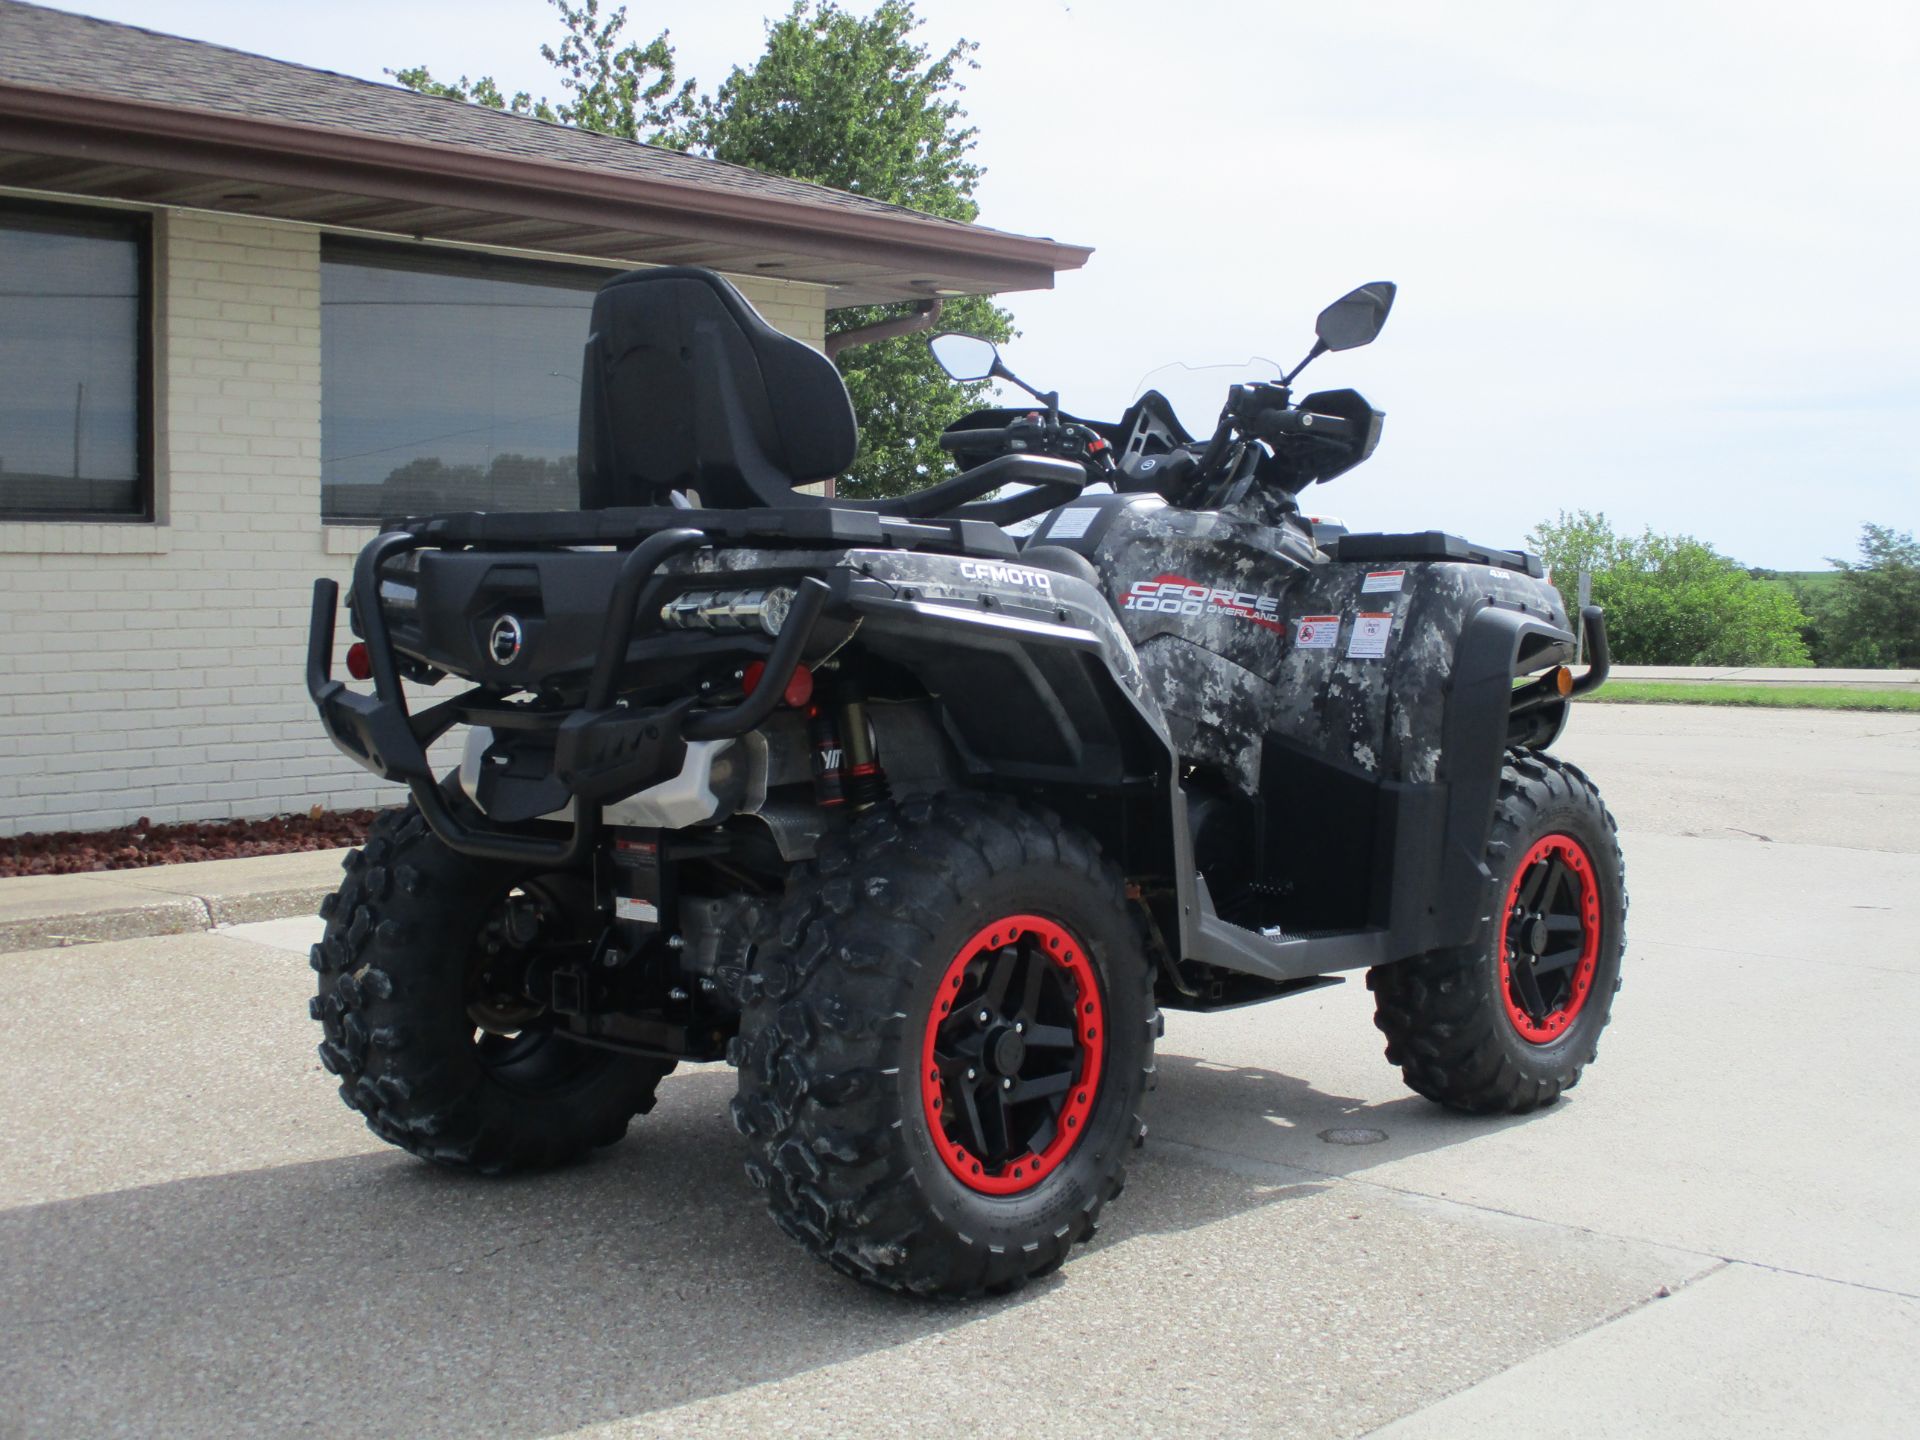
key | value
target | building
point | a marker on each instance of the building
(246, 308)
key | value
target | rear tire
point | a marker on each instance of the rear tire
(396, 1001)
(872, 1091)
(1504, 1025)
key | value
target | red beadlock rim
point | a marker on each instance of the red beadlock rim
(1553, 894)
(1052, 965)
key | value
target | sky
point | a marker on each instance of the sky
(1654, 259)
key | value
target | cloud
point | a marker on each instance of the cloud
(1654, 258)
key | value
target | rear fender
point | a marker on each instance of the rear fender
(1034, 678)
(1037, 686)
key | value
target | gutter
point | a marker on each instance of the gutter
(923, 318)
(110, 131)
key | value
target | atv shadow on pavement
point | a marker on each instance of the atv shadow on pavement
(1236, 1114)
(340, 1295)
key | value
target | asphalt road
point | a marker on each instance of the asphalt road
(1713, 1235)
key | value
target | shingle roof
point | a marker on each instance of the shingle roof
(39, 46)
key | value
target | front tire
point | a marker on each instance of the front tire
(947, 1034)
(439, 1061)
(1504, 1025)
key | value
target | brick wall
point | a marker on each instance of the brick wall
(156, 669)
(799, 310)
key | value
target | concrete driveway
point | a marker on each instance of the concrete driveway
(1713, 1235)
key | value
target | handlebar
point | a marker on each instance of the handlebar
(964, 441)
(1275, 424)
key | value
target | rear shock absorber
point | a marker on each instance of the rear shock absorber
(866, 782)
(828, 758)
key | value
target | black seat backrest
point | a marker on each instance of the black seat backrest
(685, 387)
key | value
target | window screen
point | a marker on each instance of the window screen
(448, 382)
(73, 364)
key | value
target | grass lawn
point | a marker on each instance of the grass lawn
(1780, 697)
(1814, 580)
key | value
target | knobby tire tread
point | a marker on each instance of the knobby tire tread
(383, 1002)
(1440, 1012)
(826, 1007)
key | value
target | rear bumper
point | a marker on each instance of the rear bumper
(600, 751)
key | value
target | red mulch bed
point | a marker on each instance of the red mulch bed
(69, 852)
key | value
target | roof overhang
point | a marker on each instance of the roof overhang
(110, 148)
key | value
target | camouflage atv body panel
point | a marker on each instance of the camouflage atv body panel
(1247, 635)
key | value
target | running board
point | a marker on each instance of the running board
(1281, 958)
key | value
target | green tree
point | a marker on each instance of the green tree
(1870, 616)
(618, 89)
(857, 103)
(1672, 599)
(483, 91)
(851, 101)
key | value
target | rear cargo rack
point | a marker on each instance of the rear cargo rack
(951, 515)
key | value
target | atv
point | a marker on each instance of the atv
(921, 825)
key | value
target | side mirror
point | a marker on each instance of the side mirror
(1356, 318)
(965, 357)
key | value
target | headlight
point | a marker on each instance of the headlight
(729, 611)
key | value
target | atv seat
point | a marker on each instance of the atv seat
(685, 387)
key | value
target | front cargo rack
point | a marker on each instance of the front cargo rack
(1434, 545)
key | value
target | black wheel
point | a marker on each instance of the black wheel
(1506, 1024)
(426, 1021)
(947, 1033)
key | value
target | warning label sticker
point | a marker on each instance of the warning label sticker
(1369, 640)
(1380, 581)
(1072, 524)
(1317, 632)
(625, 907)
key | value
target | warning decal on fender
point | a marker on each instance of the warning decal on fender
(1369, 640)
(1317, 632)
(1072, 524)
(1381, 580)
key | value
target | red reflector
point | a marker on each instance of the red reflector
(359, 662)
(799, 689)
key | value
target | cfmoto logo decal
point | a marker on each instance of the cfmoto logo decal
(995, 574)
(1177, 595)
(504, 640)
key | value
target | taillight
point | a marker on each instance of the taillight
(359, 661)
(799, 689)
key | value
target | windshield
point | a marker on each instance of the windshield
(1197, 392)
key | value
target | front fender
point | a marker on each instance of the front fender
(1473, 749)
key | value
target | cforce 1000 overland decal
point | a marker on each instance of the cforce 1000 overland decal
(1177, 595)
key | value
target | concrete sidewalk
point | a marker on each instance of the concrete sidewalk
(1758, 675)
(1713, 1237)
(42, 911)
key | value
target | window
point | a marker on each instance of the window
(448, 382)
(75, 397)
